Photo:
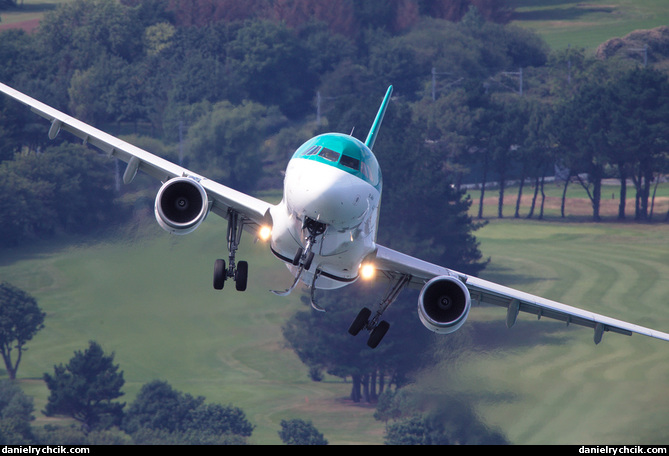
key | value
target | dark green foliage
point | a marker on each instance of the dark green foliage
(16, 413)
(20, 319)
(85, 389)
(322, 341)
(449, 422)
(75, 435)
(300, 432)
(66, 188)
(417, 185)
(228, 142)
(162, 413)
(616, 118)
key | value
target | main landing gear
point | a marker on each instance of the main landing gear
(239, 272)
(377, 329)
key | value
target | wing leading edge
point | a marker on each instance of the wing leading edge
(483, 291)
(224, 198)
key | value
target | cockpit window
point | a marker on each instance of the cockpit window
(328, 154)
(313, 150)
(368, 173)
(350, 162)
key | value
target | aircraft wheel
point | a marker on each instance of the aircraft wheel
(241, 275)
(310, 258)
(219, 274)
(298, 256)
(360, 321)
(377, 334)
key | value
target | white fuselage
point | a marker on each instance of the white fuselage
(346, 204)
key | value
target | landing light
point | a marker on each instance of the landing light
(264, 232)
(367, 271)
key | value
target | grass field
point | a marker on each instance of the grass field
(588, 24)
(564, 389)
(147, 297)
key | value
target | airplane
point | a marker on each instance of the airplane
(324, 230)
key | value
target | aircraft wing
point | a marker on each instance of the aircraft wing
(394, 263)
(224, 198)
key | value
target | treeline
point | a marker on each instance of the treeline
(224, 88)
(226, 96)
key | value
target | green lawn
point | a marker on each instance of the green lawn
(149, 299)
(565, 389)
(586, 25)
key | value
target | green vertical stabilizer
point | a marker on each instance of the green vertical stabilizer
(373, 132)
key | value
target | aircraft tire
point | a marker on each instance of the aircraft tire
(310, 258)
(360, 321)
(241, 276)
(219, 274)
(377, 334)
(298, 256)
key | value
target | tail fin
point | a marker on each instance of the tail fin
(373, 132)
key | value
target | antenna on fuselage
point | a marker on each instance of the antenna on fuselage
(374, 131)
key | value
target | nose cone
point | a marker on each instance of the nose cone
(327, 194)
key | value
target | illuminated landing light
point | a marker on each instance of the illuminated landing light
(264, 233)
(367, 271)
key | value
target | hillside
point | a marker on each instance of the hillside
(588, 24)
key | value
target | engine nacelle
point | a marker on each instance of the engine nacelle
(443, 304)
(181, 205)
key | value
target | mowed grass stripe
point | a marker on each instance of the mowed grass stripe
(575, 392)
(149, 299)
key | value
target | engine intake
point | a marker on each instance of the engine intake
(181, 205)
(443, 304)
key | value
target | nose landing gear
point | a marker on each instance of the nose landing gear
(305, 256)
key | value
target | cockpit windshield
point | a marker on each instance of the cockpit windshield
(350, 162)
(329, 155)
(344, 152)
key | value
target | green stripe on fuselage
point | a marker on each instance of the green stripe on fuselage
(344, 152)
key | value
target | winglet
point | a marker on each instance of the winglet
(373, 132)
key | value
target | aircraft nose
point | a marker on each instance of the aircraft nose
(329, 195)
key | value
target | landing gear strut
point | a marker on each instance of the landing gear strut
(378, 328)
(305, 256)
(239, 272)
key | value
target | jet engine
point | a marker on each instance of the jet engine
(181, 205)
(443, 304)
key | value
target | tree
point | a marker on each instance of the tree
(638, 133)
(229, 138)
(20, 319)
(16, 413)
(161, 412)
(582, 125)
(273, 67)
(413, 171)
(6, 4)
(85, 389)
(50, 194)
(300, 432)
(446, 421)
(80, 32)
